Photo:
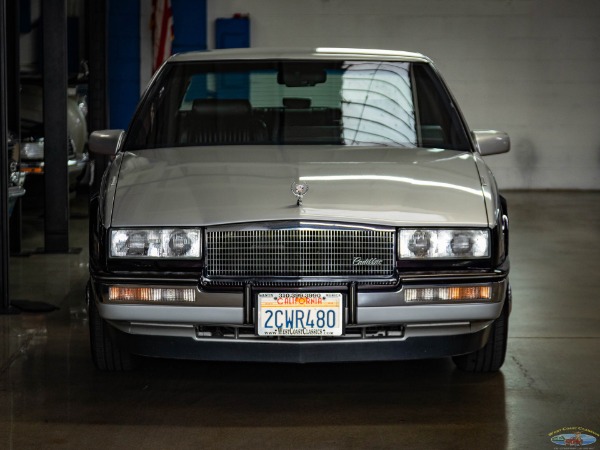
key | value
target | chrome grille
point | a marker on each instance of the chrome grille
(299, 252)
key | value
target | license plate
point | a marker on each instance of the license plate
(306, 314)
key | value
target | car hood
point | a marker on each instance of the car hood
(205, 186)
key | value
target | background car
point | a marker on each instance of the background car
(32, 131)
(315, 205)
(16, 177)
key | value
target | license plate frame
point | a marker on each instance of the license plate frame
(300, 314)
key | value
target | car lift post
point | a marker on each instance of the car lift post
(14, 109)
(5, 306)
(56, 176)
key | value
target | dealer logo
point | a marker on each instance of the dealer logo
(574, 437)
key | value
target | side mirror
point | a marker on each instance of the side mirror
(492, 142)
(105, 142)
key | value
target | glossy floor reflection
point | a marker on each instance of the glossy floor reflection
(52, 397)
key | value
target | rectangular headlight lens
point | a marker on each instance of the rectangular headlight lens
(150, 295)
(421, 243)
(174, 243)
(445, 294)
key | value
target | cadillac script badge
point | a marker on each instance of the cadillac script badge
(299, 189)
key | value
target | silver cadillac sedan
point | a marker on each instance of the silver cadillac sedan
(315, 205)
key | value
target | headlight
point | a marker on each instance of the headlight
(173, 243)
(33, 149)
(448, 244)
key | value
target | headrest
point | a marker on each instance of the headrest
(296, 103)
(218, 107)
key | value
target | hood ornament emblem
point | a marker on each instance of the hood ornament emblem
(299, 189)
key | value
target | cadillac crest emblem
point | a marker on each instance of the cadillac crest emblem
(299, 189)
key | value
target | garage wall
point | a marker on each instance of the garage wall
(529, 67)
(189, 17)
(123, 60)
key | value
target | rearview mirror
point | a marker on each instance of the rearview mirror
(301, 75)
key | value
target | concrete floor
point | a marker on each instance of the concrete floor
(52, 397)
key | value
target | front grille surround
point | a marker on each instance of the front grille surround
(304, 282)
(299, 250)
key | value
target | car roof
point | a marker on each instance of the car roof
(320, 53)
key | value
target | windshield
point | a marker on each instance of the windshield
(398, 104)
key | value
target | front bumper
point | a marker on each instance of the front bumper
(14, 193)
(349, 350)
(379, 325)
(75, 167)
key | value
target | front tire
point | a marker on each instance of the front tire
(108, 355)
(491, 357)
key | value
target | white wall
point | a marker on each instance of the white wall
(528, 67)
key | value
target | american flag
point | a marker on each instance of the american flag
(162, 31)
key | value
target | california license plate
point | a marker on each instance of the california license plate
(305, 314)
